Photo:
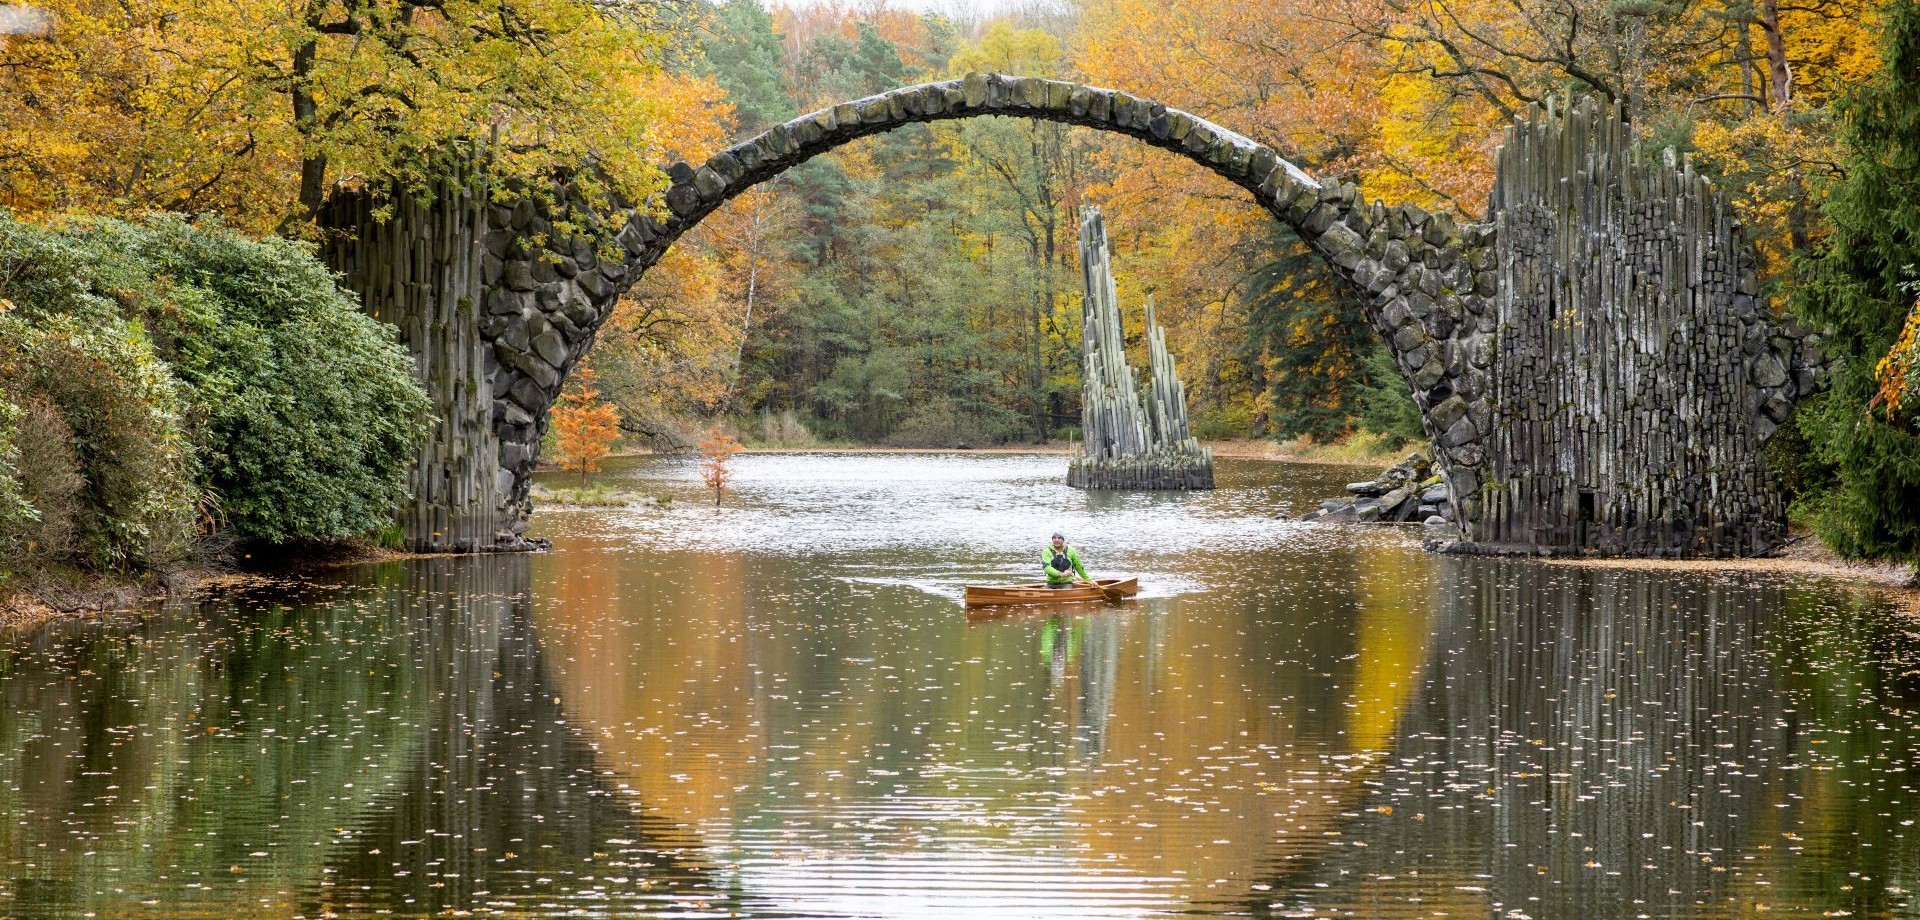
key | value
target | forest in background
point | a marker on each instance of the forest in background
(921, 287)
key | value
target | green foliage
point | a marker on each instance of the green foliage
(944, 422)
(911, 305)
(1314, 339)
(304, 415)
(310, 409)
(1855, 286)
(110, 474)
(744, 56)
(836, 67)
(1386, 403)
(16, 512)
(1222, 424)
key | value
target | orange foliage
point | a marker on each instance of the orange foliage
(584, 427)
(716, 463)
(1897, 371)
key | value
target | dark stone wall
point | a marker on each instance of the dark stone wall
(1639, 371)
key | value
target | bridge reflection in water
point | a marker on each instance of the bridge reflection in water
(1362, 731)
(1594, 742)
(392, 747)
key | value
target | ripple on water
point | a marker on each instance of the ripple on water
(780, 710)
(837, 504)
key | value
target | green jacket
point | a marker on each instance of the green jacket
(1055, 576)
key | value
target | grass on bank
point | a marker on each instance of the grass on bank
(597, 495)
(1361, 447)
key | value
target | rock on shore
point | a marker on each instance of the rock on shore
(1409, 492)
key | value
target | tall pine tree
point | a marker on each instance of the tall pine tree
(1858, 286)
(744, 55)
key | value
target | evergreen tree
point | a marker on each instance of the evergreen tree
(1312, 336)
(1858, 286)
(744, 56)
(877, 59)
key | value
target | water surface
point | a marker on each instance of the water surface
(778, 708)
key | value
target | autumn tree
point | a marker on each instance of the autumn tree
(1898, 374)
(584, 427)
(256, 109)
(716, 462)
(1032, 168)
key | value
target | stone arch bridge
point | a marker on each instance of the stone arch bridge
(1594, 365)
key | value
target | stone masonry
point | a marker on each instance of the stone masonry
(498, 305)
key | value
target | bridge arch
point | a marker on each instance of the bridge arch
(536, 296)
(1593, 366)
(697, 190)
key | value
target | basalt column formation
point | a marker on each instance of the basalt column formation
(1132, 438)
(1638, 370)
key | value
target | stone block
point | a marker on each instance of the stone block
(1316, 222)
(973, 90)
(1448, 411)
(1396, 257)
(527, 393)
(517, 275)
(1396, 313)
(551, 347)
(1768, 370)
(543, 375)
(1059, 96)
(683, 200)
(1341, 245)
(1408, 338)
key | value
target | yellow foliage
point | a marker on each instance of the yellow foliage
(148, 105)
(1005, 49)
(1899, 370)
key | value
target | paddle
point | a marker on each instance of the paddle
(1113, 594)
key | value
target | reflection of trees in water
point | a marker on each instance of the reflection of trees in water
(1088, 648)
(1586, 743)
(152, 756)
(246, 758)
(502, 804)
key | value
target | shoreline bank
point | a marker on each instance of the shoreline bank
(34, 605)
(29, 606)
(1804, 556)
(1238, 449)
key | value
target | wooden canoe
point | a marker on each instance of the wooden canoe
(1039, 593)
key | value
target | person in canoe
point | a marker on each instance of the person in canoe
(1062, 563)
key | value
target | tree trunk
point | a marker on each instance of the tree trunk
(1778, 70)
(313, 165)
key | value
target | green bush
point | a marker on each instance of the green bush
(17, 513)
(100, 453)
(311, 410)
(304, 413)
(939, 423)
(1224, 423)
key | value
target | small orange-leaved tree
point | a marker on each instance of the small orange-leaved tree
(715, 469)
(584, 427)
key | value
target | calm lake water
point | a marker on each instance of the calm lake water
(779, 709)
